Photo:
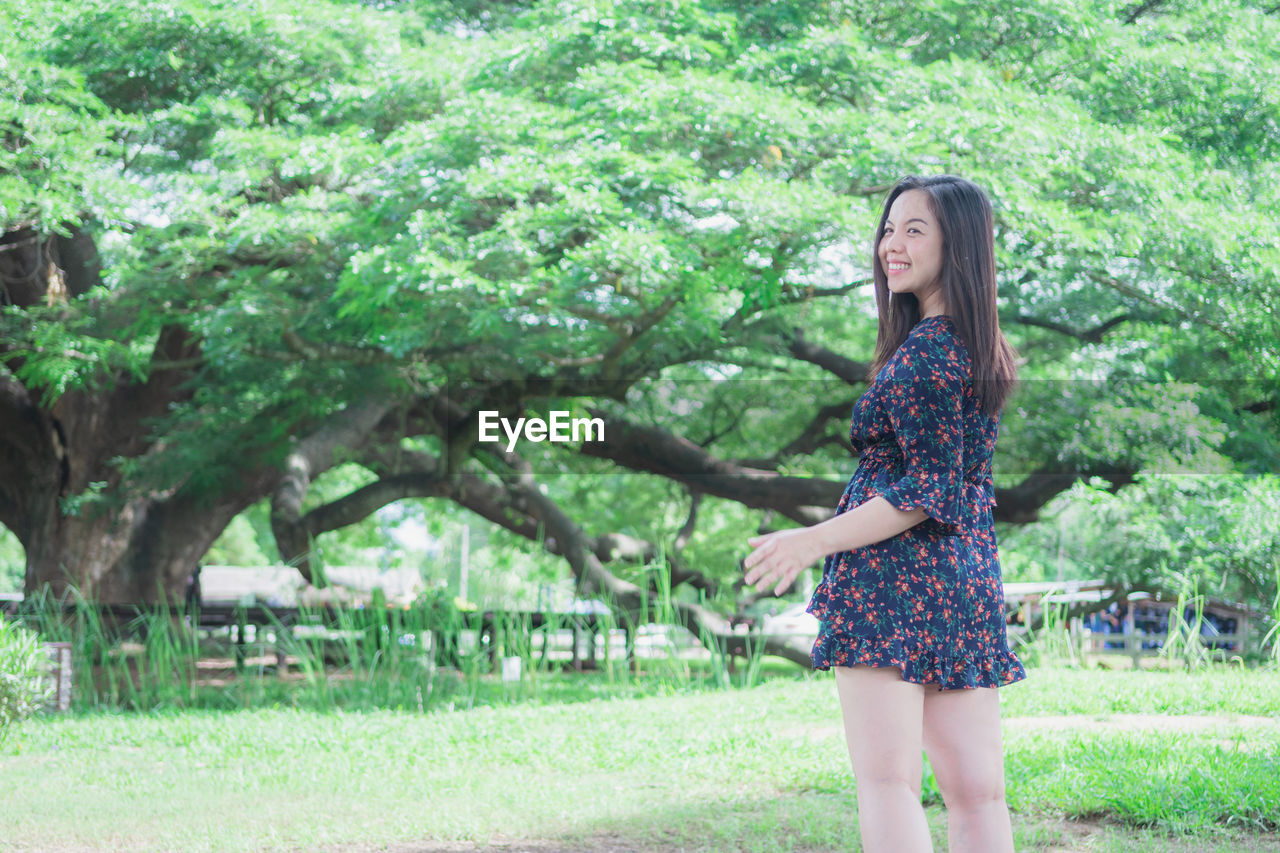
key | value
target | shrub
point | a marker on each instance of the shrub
(24, 686)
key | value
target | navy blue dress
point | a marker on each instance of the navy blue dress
(929, 601)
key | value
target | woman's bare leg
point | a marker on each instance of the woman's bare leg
(962, 739)
(883, 724)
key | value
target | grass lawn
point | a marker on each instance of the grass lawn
(1097, 761)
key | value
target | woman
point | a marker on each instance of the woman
(911, 602)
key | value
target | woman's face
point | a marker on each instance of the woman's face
(911, 251)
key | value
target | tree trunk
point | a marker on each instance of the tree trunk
(58, 494)
(144, 553)
(61, 490)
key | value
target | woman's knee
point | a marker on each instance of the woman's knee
(971, 794)
(888, 784)
(885, 763)
(962, 739)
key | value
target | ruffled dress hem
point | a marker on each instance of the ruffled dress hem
(919, 663)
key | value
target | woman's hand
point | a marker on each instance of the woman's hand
(779, 557)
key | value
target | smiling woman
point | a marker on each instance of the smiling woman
(911, 593)
(911, 253)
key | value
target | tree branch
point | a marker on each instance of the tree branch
(627, 596)
(1021, 504)
(873, 190)
(817, 434)
(853, 372)
(1084, 608)
(611, 358)
(1092, 335)
(685, 533)
(1133, 13)
(314, 454)
(521, 507)
(791, 296)
(1133, 292)
(363, 502)
(656, 451)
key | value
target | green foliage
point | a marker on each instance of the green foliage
(345, 201)
(1216, 534)
(24, 687)
(277, 58)
(53, 136)
(1129, 424)
(563, 171)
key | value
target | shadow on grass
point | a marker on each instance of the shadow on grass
(816, 823)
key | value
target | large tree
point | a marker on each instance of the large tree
(244, 242)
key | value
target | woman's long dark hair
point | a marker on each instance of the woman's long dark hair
(968, 285)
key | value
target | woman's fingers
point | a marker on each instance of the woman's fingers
(771, 562)
(787, 577)
(763, 548)
(756, 572)
(770, 572)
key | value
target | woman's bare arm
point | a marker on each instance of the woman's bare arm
(779, 557)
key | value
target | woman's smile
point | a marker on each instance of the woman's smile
(910, 251)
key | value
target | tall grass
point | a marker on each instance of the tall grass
(1272, 639)
(1182, 639)
(433, 654)
(1053, 644)
(146, 660)
(1183, 644)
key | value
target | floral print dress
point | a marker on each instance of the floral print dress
(929, 601)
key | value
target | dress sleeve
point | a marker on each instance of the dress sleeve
(923, 402)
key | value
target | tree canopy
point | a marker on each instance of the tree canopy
(245, 242)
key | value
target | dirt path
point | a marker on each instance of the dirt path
(1170, 723)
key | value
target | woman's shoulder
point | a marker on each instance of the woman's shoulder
(934, 346)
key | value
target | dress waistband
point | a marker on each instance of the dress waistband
(890, 451)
